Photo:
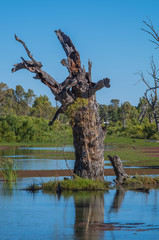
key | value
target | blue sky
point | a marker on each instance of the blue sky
(106, 32)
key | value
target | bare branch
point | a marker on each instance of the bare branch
(155, 43)
(151, 31)
(35, 67)
(60, 110)
(151, 27)
(73, 57)
(89, 70)
(28, 52)
(94, 87)
(152, 88)
(143, 79)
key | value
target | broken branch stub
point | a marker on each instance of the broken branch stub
(73, 57)
(120, 173)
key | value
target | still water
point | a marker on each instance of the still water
(40, 158)
(117, 214)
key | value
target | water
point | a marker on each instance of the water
(82, 215)
(117, 214)
(41, 158)
(65, 149)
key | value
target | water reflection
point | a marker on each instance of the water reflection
(7, 187)
(65, 149)
(118, 199)
(78, 215)
(89, 212)
(39, 158)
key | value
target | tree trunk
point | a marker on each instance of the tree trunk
(121, 176)
(142, 114)
(88, 137)
(123, 119)
(156, 120)
(76, 88)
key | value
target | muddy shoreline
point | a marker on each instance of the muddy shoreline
(62, 173)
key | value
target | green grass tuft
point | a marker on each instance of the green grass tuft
(76, 184)
(8, 170)
(141, 182)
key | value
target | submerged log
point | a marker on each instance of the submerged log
(120, 173)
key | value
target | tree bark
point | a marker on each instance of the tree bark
(88, 142)
(88, 132)
(121, 176)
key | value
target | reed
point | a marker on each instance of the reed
(8, 170)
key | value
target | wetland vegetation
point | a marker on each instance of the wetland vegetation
(8, 170)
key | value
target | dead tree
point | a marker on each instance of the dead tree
(144, 109)
(120, 173)
(151, 93)
(88, 132)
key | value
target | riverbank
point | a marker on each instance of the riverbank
(65, 172)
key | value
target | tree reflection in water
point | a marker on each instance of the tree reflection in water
(89, 214)
(118, 199)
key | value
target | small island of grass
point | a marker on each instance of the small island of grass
(82, 184)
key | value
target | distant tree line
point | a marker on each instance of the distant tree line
(130, 121)
(24, 117)
(24, 103)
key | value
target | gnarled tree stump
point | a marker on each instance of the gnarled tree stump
(120, 173)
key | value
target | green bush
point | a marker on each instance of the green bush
(31, 129)
(133, 130)
(149, 130)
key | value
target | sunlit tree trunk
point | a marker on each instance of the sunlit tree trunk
(88, 137)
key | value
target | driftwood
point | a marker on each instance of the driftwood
(88, 132)
(120, 173)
